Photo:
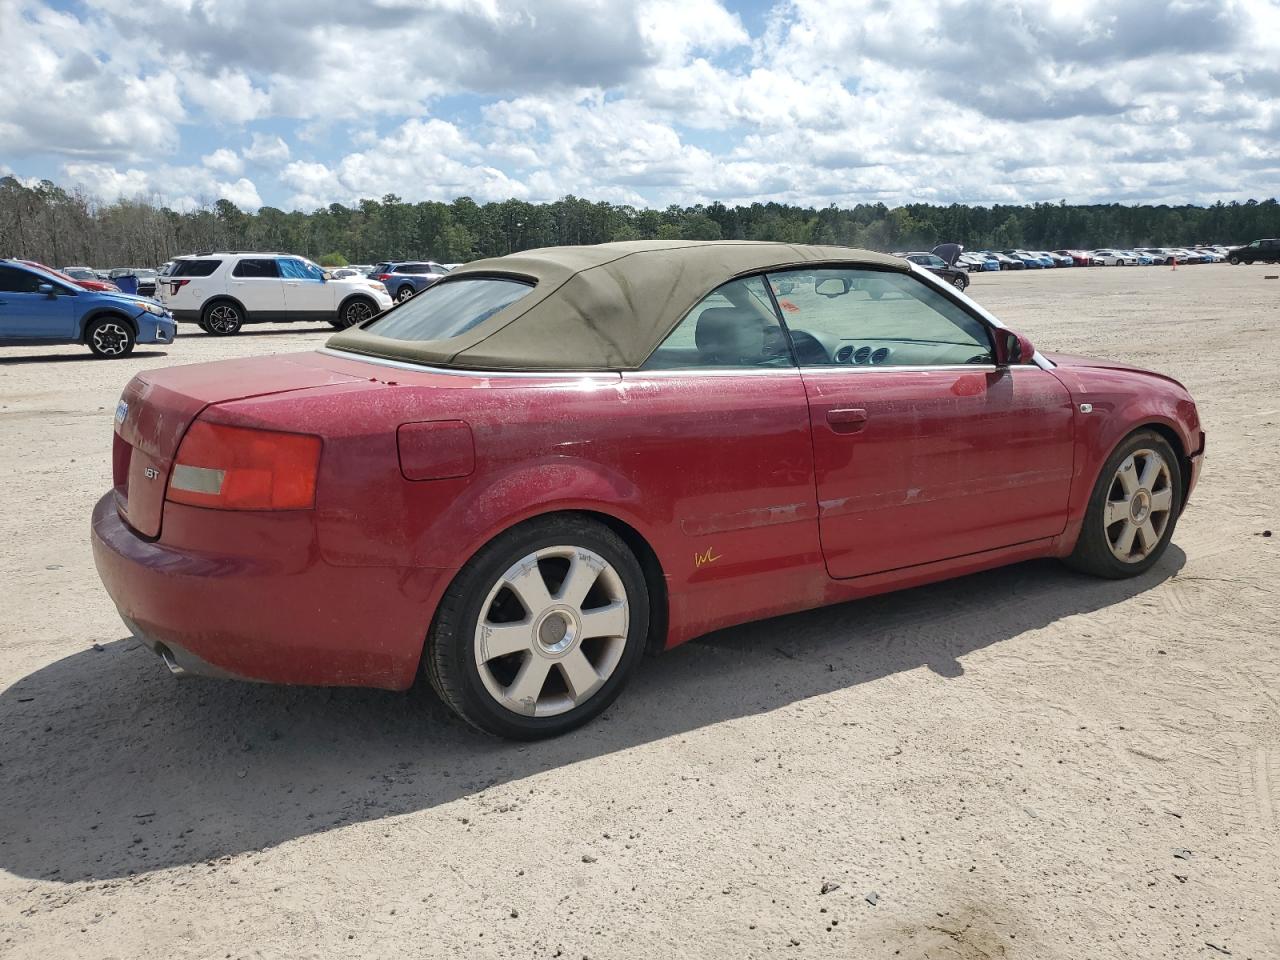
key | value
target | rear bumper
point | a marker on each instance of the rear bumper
(282, 615)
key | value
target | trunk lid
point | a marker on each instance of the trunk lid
(157, 407)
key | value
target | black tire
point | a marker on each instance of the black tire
(1236, 261)
(449, 659)
(356, 311)
(404, 293)
(960, 283)
(1093, 553)
(110, 338)
(222, 318)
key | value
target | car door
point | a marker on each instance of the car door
(307, 295)
(28, 314)
(924, 448)
(255, 282)
(722, 403)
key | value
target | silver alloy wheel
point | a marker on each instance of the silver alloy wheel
(559, 607)
(960, 283)
(404, 294)
(111, 339)
(223, 318)
(357, 312)
(1139, 506)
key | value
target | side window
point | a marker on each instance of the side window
(13, 280)
(292, 269)
(876, 318)
(195, 268)
(733, 326)
(255, 268)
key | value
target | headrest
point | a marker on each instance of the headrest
(718, 325)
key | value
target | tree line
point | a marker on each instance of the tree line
(61, 227)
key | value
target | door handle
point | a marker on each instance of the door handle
(847, 419)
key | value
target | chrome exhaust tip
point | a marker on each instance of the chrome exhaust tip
(166, 655)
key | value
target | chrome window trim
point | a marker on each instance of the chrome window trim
(631, 374)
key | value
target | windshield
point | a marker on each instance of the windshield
(448, 308)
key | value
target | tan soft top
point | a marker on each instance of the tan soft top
(601, 307)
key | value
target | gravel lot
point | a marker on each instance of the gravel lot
(1024, 763)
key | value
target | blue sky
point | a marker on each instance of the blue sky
(299, 103)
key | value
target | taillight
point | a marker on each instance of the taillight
(176, 285)
(237, 468)
(383, 277)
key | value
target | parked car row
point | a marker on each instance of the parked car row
(1265, 251)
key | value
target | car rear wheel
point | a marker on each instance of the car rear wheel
(960, 283)
(539, 631)
(356, 311)
(1133, 509)
(110, 338)
(223, 319)
(404, 293)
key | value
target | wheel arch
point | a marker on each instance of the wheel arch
(342, 305)
(223, 298)
(637, 543)
(1175, 441)
(100, 313)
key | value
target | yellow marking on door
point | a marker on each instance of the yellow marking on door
(702, 559)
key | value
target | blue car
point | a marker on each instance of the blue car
(37, 308)
(404, 278)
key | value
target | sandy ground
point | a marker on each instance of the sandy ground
(1025, 763)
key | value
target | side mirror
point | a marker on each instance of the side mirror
(832, 287)
(1012, 349)
(48, 290)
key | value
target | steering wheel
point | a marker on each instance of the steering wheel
(809, 350)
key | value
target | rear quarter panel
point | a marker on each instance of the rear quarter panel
(714, 472)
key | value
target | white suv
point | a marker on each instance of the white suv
(223, 291)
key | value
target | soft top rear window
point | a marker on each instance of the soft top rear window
(449, 308)
(194, 268)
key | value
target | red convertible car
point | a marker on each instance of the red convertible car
(545, 464)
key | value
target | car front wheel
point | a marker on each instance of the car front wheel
(110, 338)
(539, 631)
(356, 311)
(1133, 509)
(1236, 261)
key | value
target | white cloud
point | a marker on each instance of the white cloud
(181, 188)
(73, 92)
(269, 151)
(223, 161)
(655, 101)
(228, 95)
